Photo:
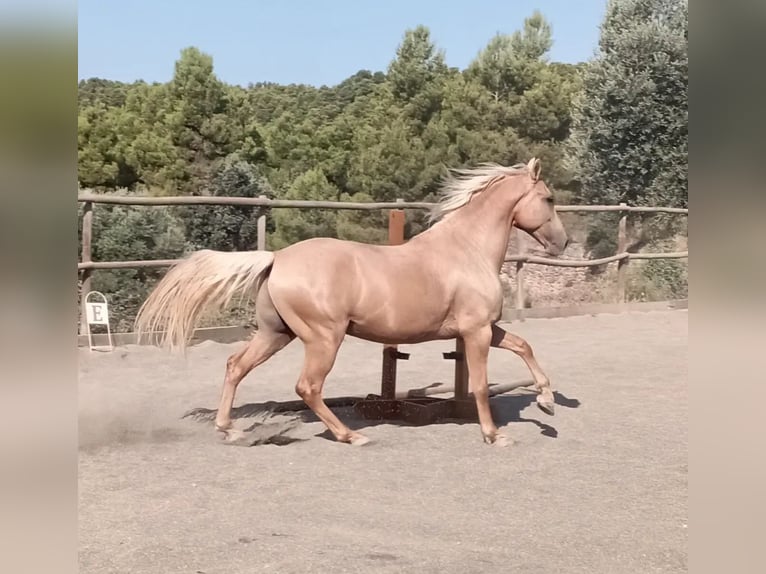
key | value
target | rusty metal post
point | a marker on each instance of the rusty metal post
(396, 226)
(390, 352)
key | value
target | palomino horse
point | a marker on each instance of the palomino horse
(442, 284)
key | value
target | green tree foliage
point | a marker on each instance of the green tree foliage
(224, 227)
(146, 143)
(357, 86)
(198, 118)
(296, 225)
(511, 64)
(385, 136)
(527, 99)
(418, 66)
(98, 162)
(96, 91)
(630, 128)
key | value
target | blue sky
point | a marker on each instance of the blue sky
(303, 41)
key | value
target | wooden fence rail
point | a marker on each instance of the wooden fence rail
(334, 205)
(87, 265)
(513, 258)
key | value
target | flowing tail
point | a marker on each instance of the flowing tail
(204, 280)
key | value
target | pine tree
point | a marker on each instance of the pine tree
(416, 77)
(630, 128)
(229, 227)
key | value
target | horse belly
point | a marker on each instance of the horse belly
(392, 314)
(387, 333)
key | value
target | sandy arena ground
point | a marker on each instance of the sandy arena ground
(601, 487)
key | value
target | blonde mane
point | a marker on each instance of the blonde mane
(461, 185)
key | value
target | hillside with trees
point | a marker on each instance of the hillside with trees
(608, 130)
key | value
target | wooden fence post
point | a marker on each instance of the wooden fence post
(86, 257)
(521, 250)
(622, 264)
(262, 229)
(461, 370)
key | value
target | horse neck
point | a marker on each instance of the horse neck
(483, 225)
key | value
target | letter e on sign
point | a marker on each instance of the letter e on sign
(97, 313)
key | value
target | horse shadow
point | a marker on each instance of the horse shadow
(506, 408)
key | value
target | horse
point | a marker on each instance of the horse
(442, 283)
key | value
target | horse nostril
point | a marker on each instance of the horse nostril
(566, 243)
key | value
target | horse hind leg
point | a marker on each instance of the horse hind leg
(260, 348)
(272, 336)
(504, 340)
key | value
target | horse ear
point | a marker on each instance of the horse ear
(534, 168)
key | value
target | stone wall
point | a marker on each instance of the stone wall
(547, 286)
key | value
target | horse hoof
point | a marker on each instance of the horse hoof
(546, 406)
(358, 440)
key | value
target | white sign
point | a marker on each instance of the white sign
(97, 313)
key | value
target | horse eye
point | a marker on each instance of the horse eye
(549, 199)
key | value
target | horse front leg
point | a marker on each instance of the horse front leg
(476, 345)
(319, 358)
(504, 340)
